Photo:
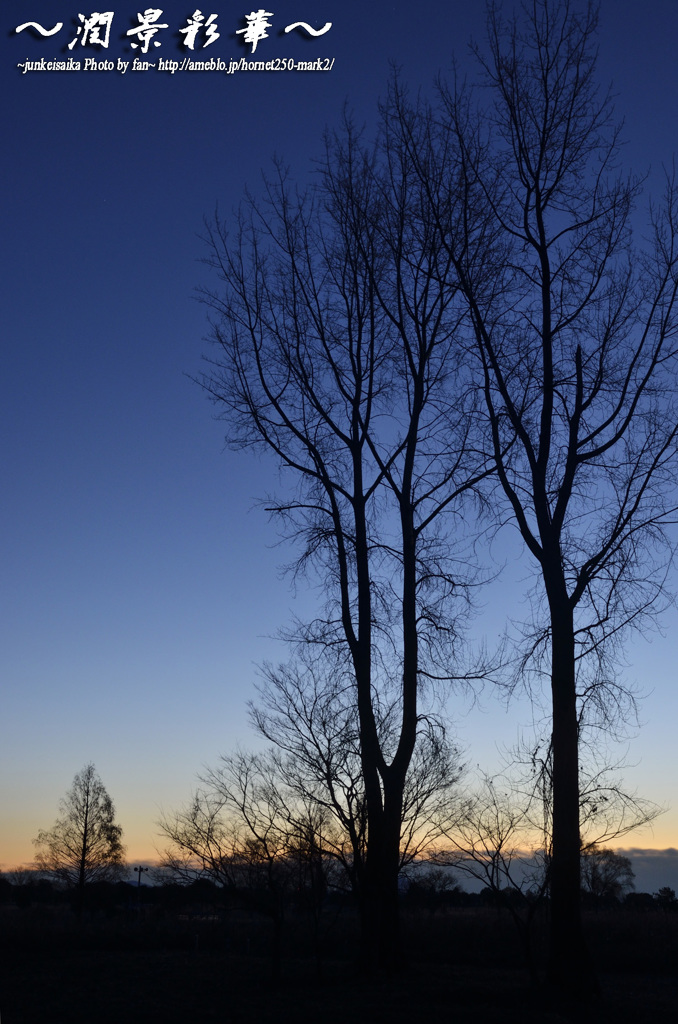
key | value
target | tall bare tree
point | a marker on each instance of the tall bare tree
(574, 331)
(336, 351)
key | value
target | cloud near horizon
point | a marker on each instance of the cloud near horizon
(653, 869)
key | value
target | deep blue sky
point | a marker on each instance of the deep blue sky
(139, 587)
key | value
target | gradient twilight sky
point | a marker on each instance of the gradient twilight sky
(139, 585)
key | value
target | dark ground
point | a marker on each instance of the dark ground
(462, 966)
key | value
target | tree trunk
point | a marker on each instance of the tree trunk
(570, 970)
(380, 917)
(80, 898)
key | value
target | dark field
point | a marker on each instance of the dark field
(461, 965)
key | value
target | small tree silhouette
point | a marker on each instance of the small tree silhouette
(606, 875)
(666, 898)
(84, 845)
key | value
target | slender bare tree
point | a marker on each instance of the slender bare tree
(574, 331)
(335, 329)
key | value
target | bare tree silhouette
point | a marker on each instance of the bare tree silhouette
(606, 874)
(84, 845)
(297, 811)
(502, 832)
(574, 329)
(336, 351)
(309, 714)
